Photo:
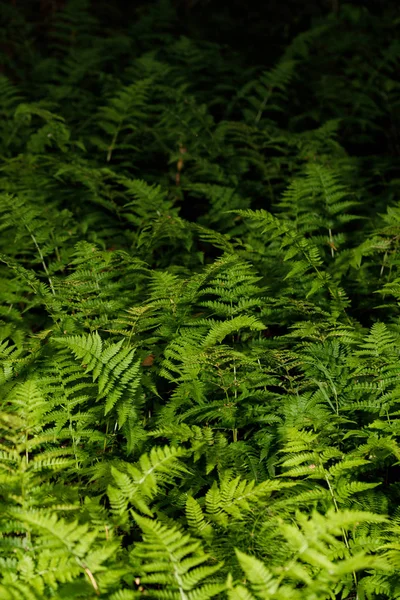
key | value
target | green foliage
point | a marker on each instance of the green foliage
(199, 293)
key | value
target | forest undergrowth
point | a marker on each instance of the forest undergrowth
(199, 309)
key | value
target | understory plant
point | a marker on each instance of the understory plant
(199, 308)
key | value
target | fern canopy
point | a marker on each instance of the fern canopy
(199, 301)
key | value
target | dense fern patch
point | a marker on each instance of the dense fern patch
(199, 322)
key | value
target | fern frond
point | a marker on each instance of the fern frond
(178, 563)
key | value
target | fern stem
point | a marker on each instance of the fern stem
(113, 142)
(105, 437)
(346, 541)
(263, 105)
(92, 579)
(43, 261)
(383, 264)
(332, 245)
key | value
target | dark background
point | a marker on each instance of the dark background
(252, 27)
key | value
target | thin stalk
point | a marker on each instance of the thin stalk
(346, 541)
(43, 262)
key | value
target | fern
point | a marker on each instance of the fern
(139, 484)
(178, 562)
(114, 369)
(199, 285)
